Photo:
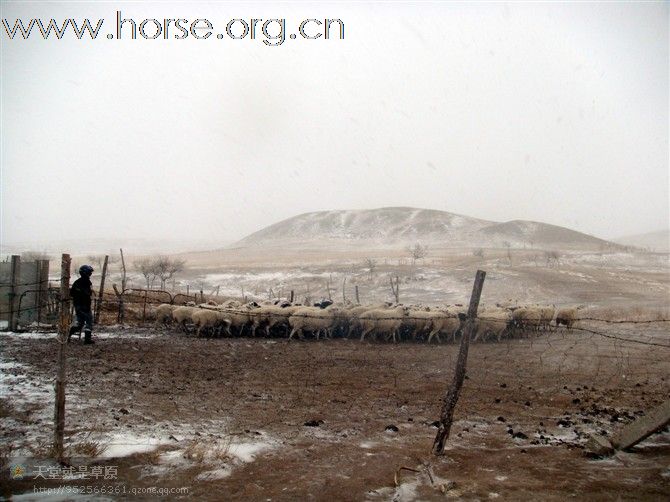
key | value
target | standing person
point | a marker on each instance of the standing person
(81, 293)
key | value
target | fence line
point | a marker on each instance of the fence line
(142, 298)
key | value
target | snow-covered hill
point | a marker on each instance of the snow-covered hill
(392, 226)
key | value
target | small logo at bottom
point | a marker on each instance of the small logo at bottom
(17, 471)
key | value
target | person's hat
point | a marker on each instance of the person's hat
(85, 270)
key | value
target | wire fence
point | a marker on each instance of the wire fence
(139, 305)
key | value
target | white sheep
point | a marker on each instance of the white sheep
(241, 317)
(566, 316)
(313, 319)
(448, 321)
(182, 315)
(546, 316)
(164, 313)
(419, 322)
(382, 321)
(527, 318)
(210, 319)
(270, 317)
(492, 322)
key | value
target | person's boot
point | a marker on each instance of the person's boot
(73, 330)
(87, 338)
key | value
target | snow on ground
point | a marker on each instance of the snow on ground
(32, 397)
(29, 396)
(125, 444)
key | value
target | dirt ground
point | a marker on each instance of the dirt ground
(267, 419)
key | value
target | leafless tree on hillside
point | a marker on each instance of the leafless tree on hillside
(416, 252)
(167, 267)
(163, 268)
(370, 264)
(552, 257)
(509, 250)
(147, 268)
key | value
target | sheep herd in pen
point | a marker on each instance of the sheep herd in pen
(384, 321)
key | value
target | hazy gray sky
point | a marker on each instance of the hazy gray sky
(550, 112)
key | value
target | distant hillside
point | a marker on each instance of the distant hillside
(534, 234)
(392, 226)
(654, 241)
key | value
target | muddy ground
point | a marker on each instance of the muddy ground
(267, 419)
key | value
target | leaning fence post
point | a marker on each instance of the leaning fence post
(63, 329)
(14, 293)
(102, 289)
(121, 315)
(451, 398)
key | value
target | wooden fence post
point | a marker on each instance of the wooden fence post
(396, 289)
(119, 295)
(14, 293)
(292, 294)
(358, 300)
(122, 309)
(144, 308)
(63, 329)
(102, 289)
(451, 398)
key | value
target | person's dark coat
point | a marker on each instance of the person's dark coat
(81, 292)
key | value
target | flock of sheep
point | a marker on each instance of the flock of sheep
(386, 321)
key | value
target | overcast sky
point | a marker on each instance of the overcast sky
(540, 111)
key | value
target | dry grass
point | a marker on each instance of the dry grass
(88, 448)
(200, 452)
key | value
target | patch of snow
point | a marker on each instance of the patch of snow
(221, 473)
(125, 444)
(28, 335)
(246, 452)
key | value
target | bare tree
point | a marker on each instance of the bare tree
(370, 264)
(159, 267)
(416, 252)
(552, 257)
(167, 267)
(147, 268)
(509, 250)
